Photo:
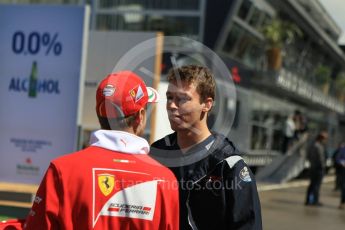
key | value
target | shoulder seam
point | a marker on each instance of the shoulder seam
(232, 160)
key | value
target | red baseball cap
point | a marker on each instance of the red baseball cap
(122, 94)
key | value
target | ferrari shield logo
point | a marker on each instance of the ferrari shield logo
(106, 183)
(132, 93)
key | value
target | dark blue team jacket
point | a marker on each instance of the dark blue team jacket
(217, 188)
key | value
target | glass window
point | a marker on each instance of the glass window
(278, 139)
(267, 130)
(244, 9)
(151, 4)
(244, 46)
(135, 22)
(233, 36)
(267, 122)
(259, 137)
(41, 1)
(266, 19)
(249, 51)
(255, 18)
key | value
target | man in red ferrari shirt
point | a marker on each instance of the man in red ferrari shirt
(112, 184)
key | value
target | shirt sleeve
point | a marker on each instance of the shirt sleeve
(44, 213)
(243, 204)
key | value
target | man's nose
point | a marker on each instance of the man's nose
(171, 104)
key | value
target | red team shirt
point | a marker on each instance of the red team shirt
(113, 184)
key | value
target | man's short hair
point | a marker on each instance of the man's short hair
(116, 123)
(323, 135)
(201, 76)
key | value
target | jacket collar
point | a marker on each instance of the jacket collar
(119, 141)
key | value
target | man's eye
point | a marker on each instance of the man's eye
(184, 98)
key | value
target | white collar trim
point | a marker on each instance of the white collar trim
(119, 141)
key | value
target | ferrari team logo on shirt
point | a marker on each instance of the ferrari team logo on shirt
(137, 93)
(106, 183)
(123, 193)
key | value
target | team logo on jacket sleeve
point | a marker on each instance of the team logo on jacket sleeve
(244, 175)
(106, 183)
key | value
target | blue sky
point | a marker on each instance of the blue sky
(336, 8)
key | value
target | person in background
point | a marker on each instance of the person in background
(113, 183)
(340, 160)
(337, 166)
(217, 188)
(316, 157)
(289, 132)
(295, 126)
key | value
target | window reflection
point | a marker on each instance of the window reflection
(233, 36)
(244, 46)
(256, 18)
(135, 21)
(244, 9)
(267, 130)
(152, 4)
(41, 1)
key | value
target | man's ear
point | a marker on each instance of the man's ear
(207, 104)
(141, 116)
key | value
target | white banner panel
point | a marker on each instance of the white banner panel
(41, 50)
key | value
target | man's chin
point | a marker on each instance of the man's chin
(178, 127)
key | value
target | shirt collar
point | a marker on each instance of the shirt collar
(119, 141)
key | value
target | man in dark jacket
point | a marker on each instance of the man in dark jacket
(340, 159)
(217, 188)
(338, 167)
(316, 157)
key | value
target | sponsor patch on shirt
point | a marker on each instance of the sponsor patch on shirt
(244, 175)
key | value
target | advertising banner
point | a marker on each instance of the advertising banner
(41, 71)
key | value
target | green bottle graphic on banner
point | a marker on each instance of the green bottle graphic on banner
(33, 80)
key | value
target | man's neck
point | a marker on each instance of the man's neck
(189, 138)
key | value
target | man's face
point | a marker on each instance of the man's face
(183, 105)
(324, 140)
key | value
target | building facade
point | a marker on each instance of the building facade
(306, 78)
